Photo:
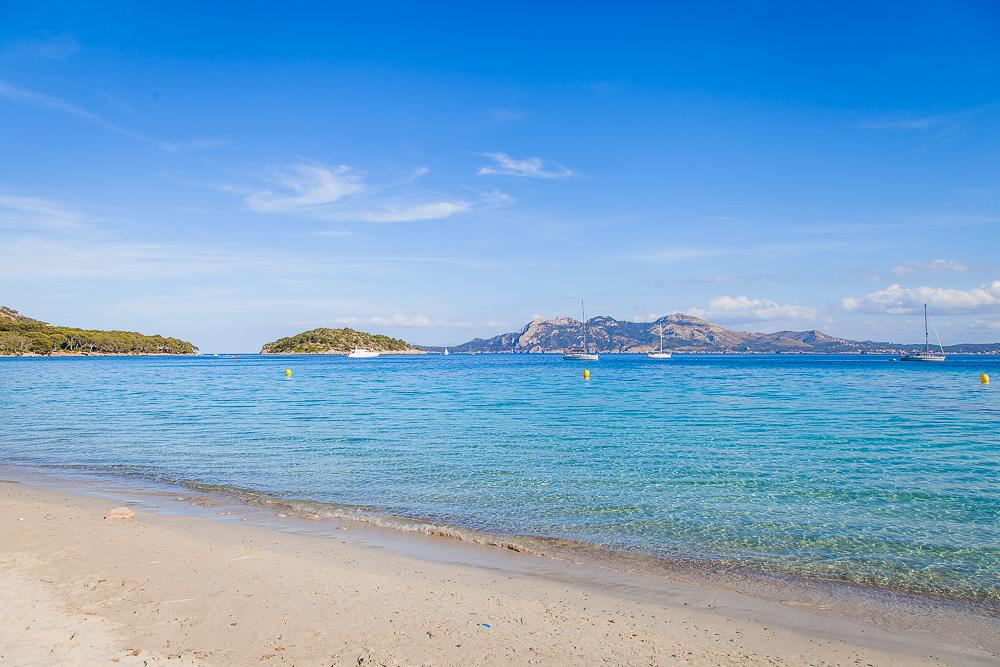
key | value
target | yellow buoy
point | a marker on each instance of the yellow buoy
(984, 378)
(288, 372)
(586, 374)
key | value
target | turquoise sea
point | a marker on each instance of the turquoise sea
(851, 468)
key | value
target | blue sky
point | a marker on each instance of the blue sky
(441, 172)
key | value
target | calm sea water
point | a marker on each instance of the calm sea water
(857, 468)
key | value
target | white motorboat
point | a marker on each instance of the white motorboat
(359, 353)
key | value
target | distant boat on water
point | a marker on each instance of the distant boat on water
(660, 354)
(581, 353)
(446, 353)
(359, 353)
(926, 355)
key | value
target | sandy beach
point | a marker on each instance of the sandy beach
(156, 588)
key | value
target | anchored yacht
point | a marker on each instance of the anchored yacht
(581, 353)
(927, 354)
(660, 354)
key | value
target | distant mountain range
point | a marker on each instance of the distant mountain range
(681, 333)
(23, 336)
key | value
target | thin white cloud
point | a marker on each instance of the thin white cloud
(686, 253)
(504, 115)
(46, 259)
(896, 299)
(32, 98)
(939, 123)
(194, 145)
(400, 320)
(719, 279)
(31, 213)
(903, 122)
(910, 268)
(678, 254)
(20, 95)
(340, 194)
(415, 321)
(987, 325)
(51, 48)
(496, 199)
(303, 186)
(415, 213)
(532, 167)
(745, 309)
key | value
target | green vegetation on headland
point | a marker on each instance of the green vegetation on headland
(335, 341)
(20, 335)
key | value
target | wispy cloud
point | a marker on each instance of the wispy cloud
(401, 212)
(304, 186)
(910, 268)
(532, 167)
(746, 309)
(494, 198)
(194, 145)
(904, 122)
(504, 115)
(58, 47)
(416, 321)
(940, 123)
(339, 193)
(896, 299)
(719, 279)
(400, 320)
(686, 253)
(986, 325)
(28, 97)
(678, 254)
(20, 212)
(48, 258)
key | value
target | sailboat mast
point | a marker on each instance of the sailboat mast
(583, 314)
(926, 334)
(661, 338)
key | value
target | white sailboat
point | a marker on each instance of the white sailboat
(360, 353)
(926, 355)
(660, 354)
(581, 353)
(446, 352)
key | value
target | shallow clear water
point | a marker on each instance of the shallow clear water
(847, 467)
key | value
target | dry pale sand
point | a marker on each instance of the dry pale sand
(157, 589)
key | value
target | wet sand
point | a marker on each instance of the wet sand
(186, 589)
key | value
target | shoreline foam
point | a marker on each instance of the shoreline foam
(187, 587)
(887, 610)
(725, 572)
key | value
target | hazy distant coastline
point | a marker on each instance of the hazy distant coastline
(22, 336)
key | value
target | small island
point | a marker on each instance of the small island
(22, 336)
(338, 341)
